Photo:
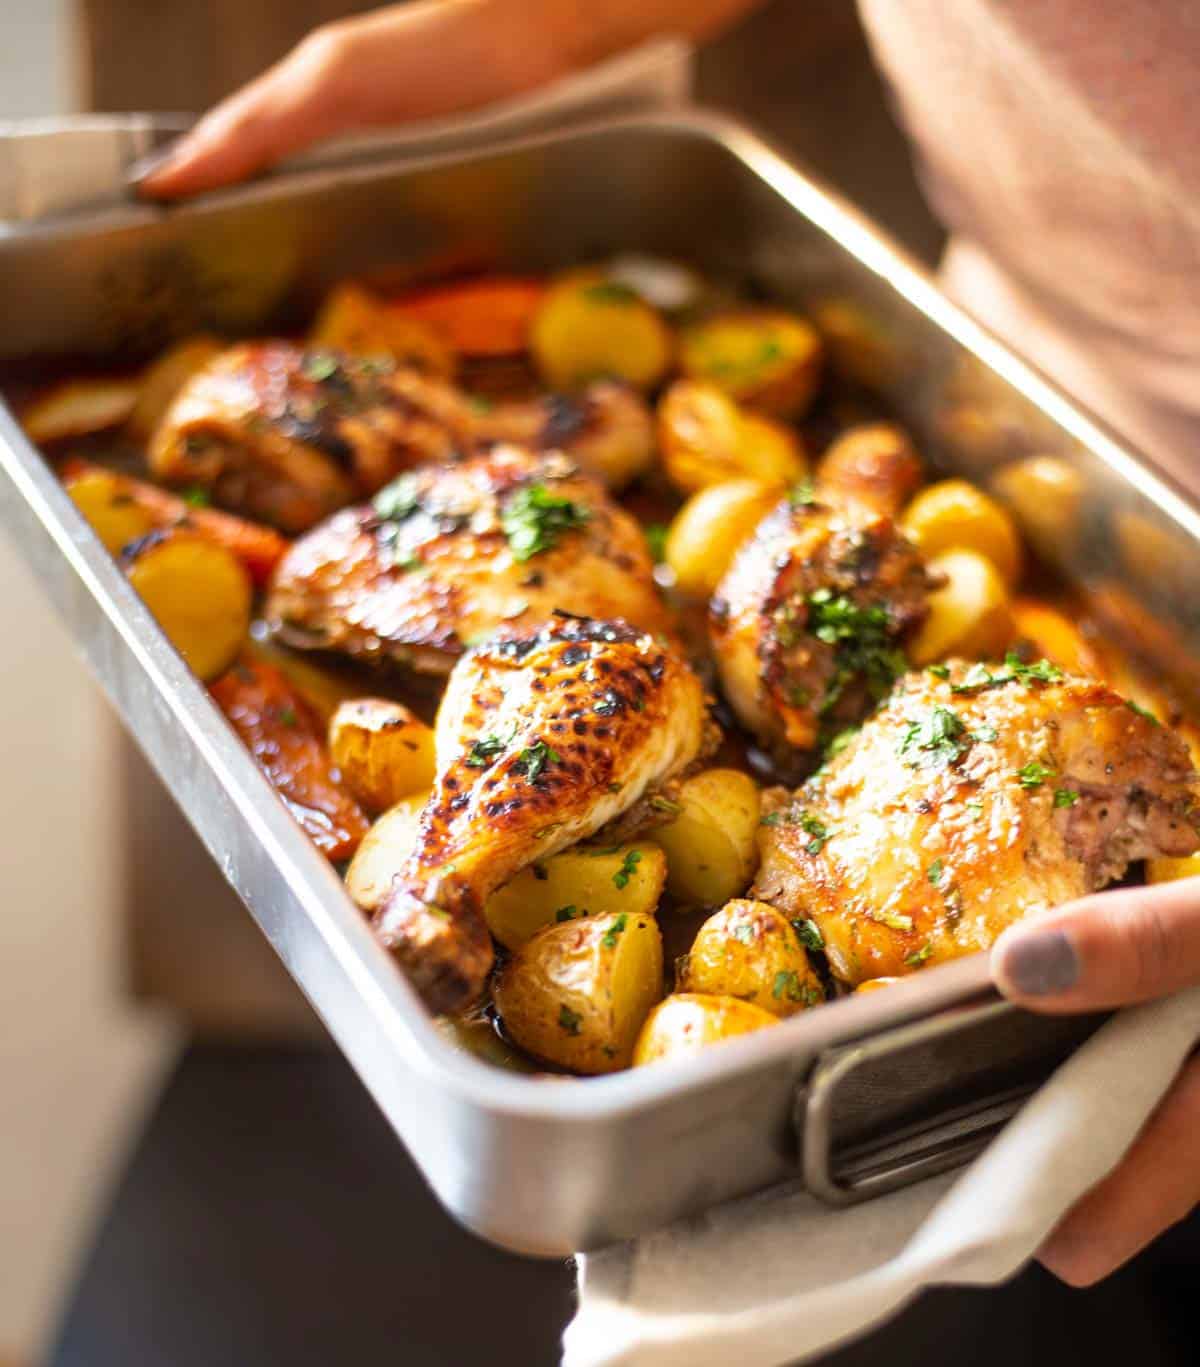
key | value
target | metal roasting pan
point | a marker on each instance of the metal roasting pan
(853, 1098)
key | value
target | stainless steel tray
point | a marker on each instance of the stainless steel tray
(857, 1095)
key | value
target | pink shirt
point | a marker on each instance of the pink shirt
(1060, 142)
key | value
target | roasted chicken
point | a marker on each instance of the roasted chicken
(809, 623)
(447, 554)
(544, 735)
(288, 435)
(975, 796)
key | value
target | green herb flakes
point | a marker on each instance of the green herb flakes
(319, 365)
(533, 760)
(809, 935)
(918, 956)
(1013, 670)
(613, 933)
(939, 738)
(803, 494)
(611, 292)
(397, 500)
(533, 520)
(196, 497)
(656, 539)
(788, 987)
(569, 1020)
(567, 913)
(816, 828)
(1142, 711)
(744, 933)
(1065, 797)
(628, 868)
(939, 671)
(1033, 775)
(934, 872)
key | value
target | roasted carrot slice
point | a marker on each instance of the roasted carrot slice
(487, 317)
(284, 735)
(111, 501)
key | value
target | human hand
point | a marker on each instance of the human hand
(1115, 949)
(407, 62)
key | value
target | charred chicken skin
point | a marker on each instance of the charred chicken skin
(543, 736)
(447, 554)
(977, 795)
(288, 435)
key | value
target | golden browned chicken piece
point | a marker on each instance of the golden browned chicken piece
(975, 796)
(446, 555)
(288, 435)
(809, 623)
(543, 736)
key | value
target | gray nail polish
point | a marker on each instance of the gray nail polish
(1041, 963)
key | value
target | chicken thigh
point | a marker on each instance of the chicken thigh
(543, 736)
(975, 796)
(446, 555)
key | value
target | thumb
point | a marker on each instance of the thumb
(1112, 949)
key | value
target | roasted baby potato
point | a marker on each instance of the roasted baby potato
(76, 408)
(954, 515)
(588, 327)
(384, 753)
(705, 438)
(627, 880)
(354, 322)
(686, 1022)
(199, 593)
(488, 317)
(1171, 870)
(116, 504)
(1047, 494)
(764, 358)
(283, 734)
(875, 464)
(162, 380)
(750, 951)
(968, 616)
(707, 531)
(116, 518)
(577, 994)
(383, 851)
(712, 845)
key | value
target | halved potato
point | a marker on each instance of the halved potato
(354, 322)
(589, 327)
(77, 408)
(577, 994)
(954, 515)
(578, 882)
(705, 438)
(383, 751)
(165, 377)
(707, 531)
(687, 1022)
(381, 855)
(1171, 870)
(199, 593)
(712, 845)
(764, 358)
(750, 951)
(969, 616)
(114, 516)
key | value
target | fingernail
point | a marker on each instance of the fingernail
(146, 166)
(1041, 963)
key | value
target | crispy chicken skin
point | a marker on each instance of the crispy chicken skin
(285, 736)
(808, 625)
(446, 555)
(968, 802)
(288, 435)
(543, 736)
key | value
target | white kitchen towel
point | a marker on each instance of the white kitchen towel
(778, 1277)
(55, 166)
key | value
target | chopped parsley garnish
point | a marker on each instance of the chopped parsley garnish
(287, 716)
(815, 827)
(892, 919)
(319, 365)
(745, 933)
(787, 986)
(803, 494)
(1033, 775)
(986, 733)
(656, 538)
(611, 292)
(397, 500)
(533, 519)
(1142, 711)
(1013, 670)
(607, 704)
(809, 935)
(975, 807)
(934, 872)
(568, 913)
(1065, 797)
(487, 748)
(628, 867)
(534, 758)
(664, 804)
(613, 933)
(939, 671)
(940, 738)
(196, 497)
(569, 1020)
(918, 956)
(861, 643)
